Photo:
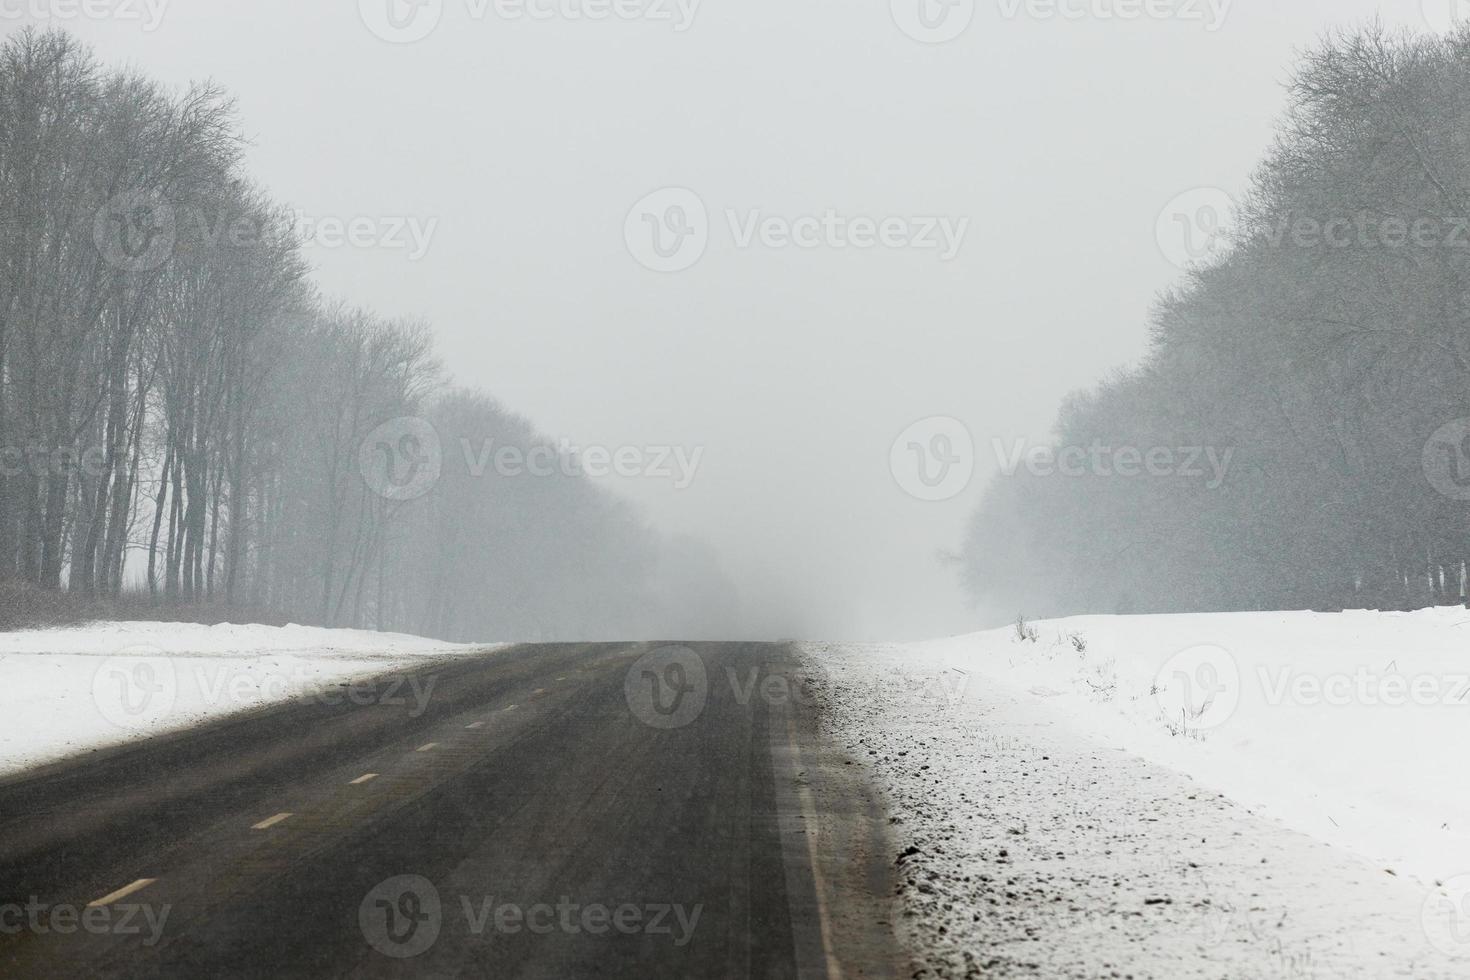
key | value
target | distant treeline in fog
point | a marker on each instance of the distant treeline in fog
(182, 415)
(1327, 350)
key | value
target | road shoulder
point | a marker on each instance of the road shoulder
(835, 842)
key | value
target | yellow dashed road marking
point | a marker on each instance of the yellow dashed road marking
(427, 747)
(270, 822)
(121, 893)
(363, 778)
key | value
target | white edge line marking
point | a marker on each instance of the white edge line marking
(123, 892)
(808, 805)
(270, 822)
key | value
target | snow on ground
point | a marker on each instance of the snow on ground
(74, 690)
(1120, 739)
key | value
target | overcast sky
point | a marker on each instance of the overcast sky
(520, 148)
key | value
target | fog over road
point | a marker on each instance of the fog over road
(609, 810)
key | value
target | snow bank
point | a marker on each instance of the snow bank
(226, 638)
(1350, 727)
(73, 690)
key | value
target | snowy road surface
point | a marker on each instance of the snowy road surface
(554, 811)
(1039, 802)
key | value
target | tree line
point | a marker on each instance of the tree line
(183, 415)
(1326, 350)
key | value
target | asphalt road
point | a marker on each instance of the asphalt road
(549, 811)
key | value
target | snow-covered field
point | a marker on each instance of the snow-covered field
(1350, 727)
(1156, 794)
(74, 690)
(1346, 729)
